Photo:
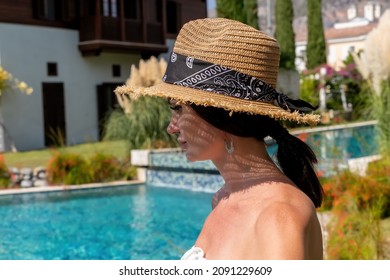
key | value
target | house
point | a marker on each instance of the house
(74, 53)
(343, 37)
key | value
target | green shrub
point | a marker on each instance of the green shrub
(106, 168)
(366, 191)
(309, 88)
(68, 169)
(72, 169)
(358, 204)
(5, 176)
(379, 171)
(355, 235)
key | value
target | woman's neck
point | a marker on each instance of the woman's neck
(247, 166)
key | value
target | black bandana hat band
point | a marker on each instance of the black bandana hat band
(198, 74)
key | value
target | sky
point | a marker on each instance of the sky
(211, 4)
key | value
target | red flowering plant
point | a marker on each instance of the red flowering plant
(69, 169)
(357, 204)
(106, 168)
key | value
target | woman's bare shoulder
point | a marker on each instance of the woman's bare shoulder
(283, 225)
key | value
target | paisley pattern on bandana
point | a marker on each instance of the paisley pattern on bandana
(194, 73)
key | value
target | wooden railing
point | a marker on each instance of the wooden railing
(112, 29)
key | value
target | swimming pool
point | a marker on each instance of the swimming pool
(343, 143)
(340, 142)
(335, 146)
(130, 222)
(136, 222)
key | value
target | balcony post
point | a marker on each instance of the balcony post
(144, 20)
(122, 20)
(98, 20)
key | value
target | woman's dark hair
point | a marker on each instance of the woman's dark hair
(295, 158)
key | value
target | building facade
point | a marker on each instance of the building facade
(73, 53)
(343, 37)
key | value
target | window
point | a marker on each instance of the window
(132, 9)
(110, 8)
(172, 12)
(154, 11)
(52, 69)
(47, 9)
(91, 7)
(116, 70)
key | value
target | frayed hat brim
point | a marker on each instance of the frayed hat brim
(206, 98)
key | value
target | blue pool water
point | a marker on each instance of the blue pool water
(335, 147)
(132, 222)
(346, 143)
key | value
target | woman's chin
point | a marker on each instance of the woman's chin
(191, 157)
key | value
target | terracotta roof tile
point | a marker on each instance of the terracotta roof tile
(338, 33)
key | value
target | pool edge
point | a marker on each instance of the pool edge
(58, 188)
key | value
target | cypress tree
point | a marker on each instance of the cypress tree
(316, 45)
(244, 11)
(284, 33)
(232, 9)
(250, 9)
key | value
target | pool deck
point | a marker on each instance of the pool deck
(68, 187)
(332, 127)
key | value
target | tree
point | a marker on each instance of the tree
(244, 11)
(284, 33)
(316, 46)
(250, 9)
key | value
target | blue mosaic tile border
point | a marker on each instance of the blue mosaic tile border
(177, 159)
(185, 180)
(172, 169)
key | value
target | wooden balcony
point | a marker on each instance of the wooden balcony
(98, 33)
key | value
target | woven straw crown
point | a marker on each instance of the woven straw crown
(236, 46)
(232, 44)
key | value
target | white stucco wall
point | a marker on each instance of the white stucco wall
(300, 56)
(25, 51)
(339, 50)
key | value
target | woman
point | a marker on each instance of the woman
(220, 83)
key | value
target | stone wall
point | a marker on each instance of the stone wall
(28, 177)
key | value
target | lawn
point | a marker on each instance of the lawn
(41, 157)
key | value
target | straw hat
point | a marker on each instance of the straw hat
(226, 64)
